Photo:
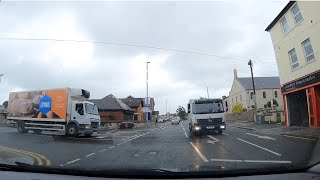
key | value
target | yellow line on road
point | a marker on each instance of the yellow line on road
(36, 156)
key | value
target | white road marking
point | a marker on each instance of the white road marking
(111, 147)
(129, 137)
(225, 134)
(299, 137)
(267, 161)
(183, 127)
(275, 153)
(251, 161)
(226, 160)
(70, 162)
(262, 137)
(102, 150)
(112, 131)
(152, 153)
(215, 140)
(90, 154)
(133, 138)
(199, 153)
(186, 134)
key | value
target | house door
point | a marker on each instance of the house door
(312, 107)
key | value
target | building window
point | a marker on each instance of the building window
(308, 51)
(293, 58)
(264, 95)
(296, 14)
(240, 97)
(251, 95)
(284, 25)
(276, 94)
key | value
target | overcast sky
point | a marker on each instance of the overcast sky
(228, 29)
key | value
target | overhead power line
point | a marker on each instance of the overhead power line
(120, 44)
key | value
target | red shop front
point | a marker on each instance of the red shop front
(301, 100)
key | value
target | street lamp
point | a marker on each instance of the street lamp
(254, 90)
(1, 77)
(147, 99)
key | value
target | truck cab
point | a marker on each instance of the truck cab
(84, 118)
(205, 115)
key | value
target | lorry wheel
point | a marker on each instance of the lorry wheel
(21, 128)
(37, 131)
(72, 130)
(219, 131)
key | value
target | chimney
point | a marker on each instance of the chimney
(235, 75)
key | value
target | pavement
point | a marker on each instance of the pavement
(165, 147)
(278, 129)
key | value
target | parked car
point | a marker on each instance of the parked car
(126, 125)
(160, 120)
(175, 121)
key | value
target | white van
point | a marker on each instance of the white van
(206, 115)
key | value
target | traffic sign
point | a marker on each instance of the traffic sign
(146, 109)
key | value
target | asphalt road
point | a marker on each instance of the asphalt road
(169, 147)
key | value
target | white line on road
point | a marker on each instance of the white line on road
(267, 161)
(262, 137)
(102, 150)
(183, 127)
(299, 137)
(259, 147)
(133, 138)
(225, 134)
(226, 160)
(186, 134)
(251, 161)
(70, 162)
(200, 154)
(215, 139)
(90, 154)
(111, 147)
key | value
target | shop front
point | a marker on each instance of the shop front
(301, 99)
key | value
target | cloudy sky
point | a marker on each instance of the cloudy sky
(225, 35)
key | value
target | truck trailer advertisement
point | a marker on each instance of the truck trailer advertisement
(38, 104)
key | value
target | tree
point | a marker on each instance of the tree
(275, 103)
(5, 104)
(181, 112)
(237, 108)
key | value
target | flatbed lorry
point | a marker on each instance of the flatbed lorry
(63, 111)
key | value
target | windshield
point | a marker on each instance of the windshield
(204, 108)
(160, 86)
(91, 109)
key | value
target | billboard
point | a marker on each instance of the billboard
(38, 104)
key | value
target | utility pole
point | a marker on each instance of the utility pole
(254, 90)
(147, 103)
(208, 92)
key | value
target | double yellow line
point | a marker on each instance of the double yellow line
(41, 160)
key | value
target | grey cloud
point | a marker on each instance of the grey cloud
(208, 27)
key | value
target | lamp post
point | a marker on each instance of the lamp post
(147, 103)
(1, 77)
(254, 90)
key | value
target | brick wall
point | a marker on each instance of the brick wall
(111, 116)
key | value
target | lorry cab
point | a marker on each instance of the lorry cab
(206, 115)
(85, 116)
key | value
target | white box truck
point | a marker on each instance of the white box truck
(64, 111)
(205, 115)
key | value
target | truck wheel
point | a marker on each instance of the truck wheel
(21, 127)
(72, 130)
(37, 131)
(219, 131)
